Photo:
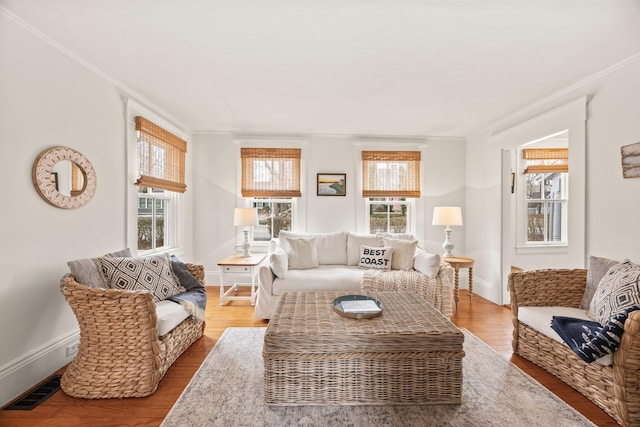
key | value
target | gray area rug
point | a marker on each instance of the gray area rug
(227, 391)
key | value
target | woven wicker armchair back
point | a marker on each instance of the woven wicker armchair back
(120, 353)
(613, 388)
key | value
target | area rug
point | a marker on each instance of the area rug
(227, 391)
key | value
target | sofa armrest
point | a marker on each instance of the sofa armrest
(197, 270)
(266, 277)
(543, 288)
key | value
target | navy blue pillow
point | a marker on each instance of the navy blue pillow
(186, 279)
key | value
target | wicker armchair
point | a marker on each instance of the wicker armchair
(613, 388)
(120, 353)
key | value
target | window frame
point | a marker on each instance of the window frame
(523, 244)
(176, 236)
(250, 201)
(413, 203)
(409, 202)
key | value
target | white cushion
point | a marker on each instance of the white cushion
(539, 318)
(302, 253)
(170, 314)
(375, 258)
(403, 252)
(426, 263)
(279, 263)
(331, 247)
(354, 241)
(333, 278)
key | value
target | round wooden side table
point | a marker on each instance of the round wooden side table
(458, 262)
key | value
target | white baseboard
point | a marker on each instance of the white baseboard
(21, 374)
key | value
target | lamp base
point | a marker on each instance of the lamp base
(246, 245)
(447, 245)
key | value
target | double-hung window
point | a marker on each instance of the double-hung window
(546, 195)
(161, 171)
(271, 183)
(390, 184)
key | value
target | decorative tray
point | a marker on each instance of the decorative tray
(357, 306)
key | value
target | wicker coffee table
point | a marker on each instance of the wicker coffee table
(411, 354)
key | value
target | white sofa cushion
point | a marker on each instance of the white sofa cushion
(354, 241)
(539, 318)
(302, 253)
(170, 314)
(337, 278)
(331, 247)
(403, 252)
(426, 263)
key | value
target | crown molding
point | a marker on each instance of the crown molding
(512, 120)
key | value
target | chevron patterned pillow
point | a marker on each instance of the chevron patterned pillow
(152, 273)
(619, 289)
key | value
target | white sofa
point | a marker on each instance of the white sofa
(336, 269)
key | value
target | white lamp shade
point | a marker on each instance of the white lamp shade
(447, 215)
(245, 217)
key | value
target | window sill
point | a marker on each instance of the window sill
(543, 249)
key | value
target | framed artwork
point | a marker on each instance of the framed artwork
(332, 184)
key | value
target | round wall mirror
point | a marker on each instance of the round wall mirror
(64, 177)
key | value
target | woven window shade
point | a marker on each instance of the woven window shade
(546, 160)
(161, 157)
(391, 173)
(270, 172)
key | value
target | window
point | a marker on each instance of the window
(546, 195)
(271, 180)
(390, 183)
(273, 215)
(161, 160)
(388, 214)
(152, 219)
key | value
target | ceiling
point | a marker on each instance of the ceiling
(363, 67)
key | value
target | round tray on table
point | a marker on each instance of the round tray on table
(337, 307)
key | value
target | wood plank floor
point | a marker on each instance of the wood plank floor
(489, 322)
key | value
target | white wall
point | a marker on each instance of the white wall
(611, 228)
(47, 100)
(216, 174)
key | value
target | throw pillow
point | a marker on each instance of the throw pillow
(618, 289)
(378, 258)
(302, 254)
(151, 274)
(403, 252)
(355, 241)
(279, 263)
(86, 272)
(426, 263)
(183, 275)
(596, 269)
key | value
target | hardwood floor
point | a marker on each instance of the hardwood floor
(489, 322)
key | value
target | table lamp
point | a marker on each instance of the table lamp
(245, 217)
(447, 216)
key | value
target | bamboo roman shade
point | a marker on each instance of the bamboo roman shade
(546, 160)
(391, 174)
(270, 172)
(161, 157)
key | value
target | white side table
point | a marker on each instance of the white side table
(239, 265)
